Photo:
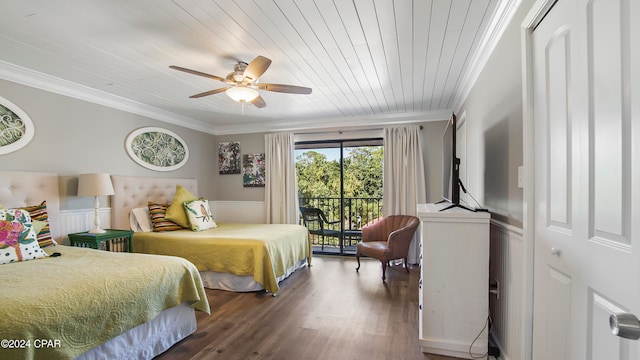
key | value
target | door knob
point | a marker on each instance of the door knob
(555, 251)
(625, 325)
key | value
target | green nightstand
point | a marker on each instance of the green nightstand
(112, 240)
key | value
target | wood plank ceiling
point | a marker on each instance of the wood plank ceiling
(367, 61)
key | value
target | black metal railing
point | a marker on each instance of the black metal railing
(354, 212)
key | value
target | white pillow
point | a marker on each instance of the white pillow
(140, 220)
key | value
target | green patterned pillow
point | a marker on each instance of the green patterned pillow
(17, 239)
(199, 215)
(159, 222)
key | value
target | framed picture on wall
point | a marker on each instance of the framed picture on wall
(229, 157)
(16, 128)
(253, 170)
(157, 149)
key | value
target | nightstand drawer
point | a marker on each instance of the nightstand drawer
(111, 240)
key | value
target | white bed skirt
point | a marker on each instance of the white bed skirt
(150, 339)
(236, 283)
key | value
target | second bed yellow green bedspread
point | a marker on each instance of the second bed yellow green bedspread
(263, 251)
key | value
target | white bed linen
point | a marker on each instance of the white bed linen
(149, 339)
(237, 283)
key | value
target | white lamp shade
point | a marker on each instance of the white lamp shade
(95, 185)
(242, 93)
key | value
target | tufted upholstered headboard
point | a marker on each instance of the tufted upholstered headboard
(135, 191)
(26, 188)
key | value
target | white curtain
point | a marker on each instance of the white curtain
(403, 183)
(281, 192)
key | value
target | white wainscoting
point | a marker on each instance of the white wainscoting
(507, 310)
(74, 221)
(247, 212)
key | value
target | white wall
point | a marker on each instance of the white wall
(493, 121)
(230, 186)
(494, 127)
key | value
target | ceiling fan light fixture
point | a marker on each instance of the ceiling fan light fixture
(242, 93)
(243, 82)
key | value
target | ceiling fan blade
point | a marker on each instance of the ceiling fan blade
(289, 89)
(256, 68)
(195, 72)
(207, 93)
(259, 102)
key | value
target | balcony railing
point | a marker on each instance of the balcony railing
(354, 212)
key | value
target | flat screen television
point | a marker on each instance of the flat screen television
(450, 164)
(451, 183)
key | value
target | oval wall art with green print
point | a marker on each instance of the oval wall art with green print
(16, 128)
(157, 149)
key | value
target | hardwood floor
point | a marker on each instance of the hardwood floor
(328, 311)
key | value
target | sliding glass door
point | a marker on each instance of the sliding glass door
(340, 190)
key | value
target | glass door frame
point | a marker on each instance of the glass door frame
(301, 145)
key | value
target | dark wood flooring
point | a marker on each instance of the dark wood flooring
(327, 311)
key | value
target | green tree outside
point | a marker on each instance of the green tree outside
(319, 177)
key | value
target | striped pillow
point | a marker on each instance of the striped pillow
(160, 224)
(39, 212)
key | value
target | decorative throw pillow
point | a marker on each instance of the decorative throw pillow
(160, 223)
(140, 220)
(38, 226)
(17, 239)
(39, 212)
(199, 215)
(175, 211)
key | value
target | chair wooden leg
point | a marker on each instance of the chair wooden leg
(384, 270)
(358, 259)
(406, 264)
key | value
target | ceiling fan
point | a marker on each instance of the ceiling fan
(244, 82)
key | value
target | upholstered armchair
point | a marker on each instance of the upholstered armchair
(387, 239)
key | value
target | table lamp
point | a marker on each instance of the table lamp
(95, 185)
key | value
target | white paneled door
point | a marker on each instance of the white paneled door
(586, 66)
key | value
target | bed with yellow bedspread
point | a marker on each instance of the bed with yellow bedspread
(66, 305)
(264, 251)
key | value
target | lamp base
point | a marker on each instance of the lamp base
(97, 231)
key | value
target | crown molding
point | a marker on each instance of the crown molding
(503, 16)
(337, 123)
(28, 77)
(24, 76)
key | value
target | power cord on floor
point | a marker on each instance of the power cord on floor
(486, 324)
